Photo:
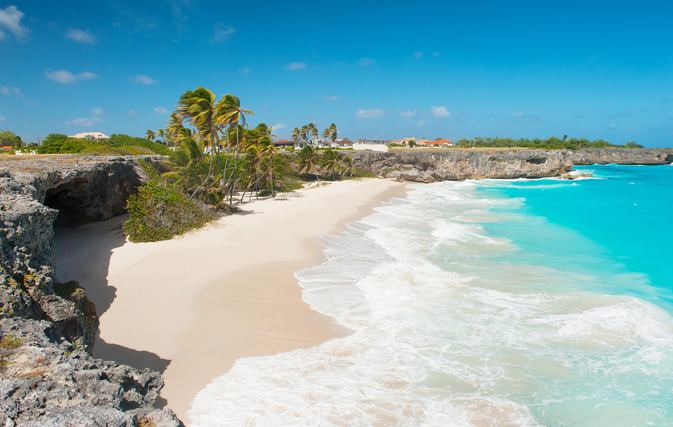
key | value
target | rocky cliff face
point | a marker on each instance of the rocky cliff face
(41, 378)
(622, 156)
(430, 166)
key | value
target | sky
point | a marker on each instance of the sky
(377, 69)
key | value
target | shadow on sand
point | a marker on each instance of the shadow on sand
(83, 254)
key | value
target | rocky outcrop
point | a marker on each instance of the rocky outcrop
(430, 166)
(622, 156)
(49, 379)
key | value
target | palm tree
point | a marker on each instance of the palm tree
(347, 167)
(149, 135)
(173, 127)
(198, 107)
(313, 129)
(230, 114)
(331, 163)
(296, 133)
(308, 159)
(160, 134)
(333, 132)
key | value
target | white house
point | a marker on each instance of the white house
(90, 135)
(371, 144)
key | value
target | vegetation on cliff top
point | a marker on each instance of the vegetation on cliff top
(117, 145)
(552, 143)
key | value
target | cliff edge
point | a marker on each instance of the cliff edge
(47, 329)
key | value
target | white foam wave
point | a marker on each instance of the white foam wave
(450, 328)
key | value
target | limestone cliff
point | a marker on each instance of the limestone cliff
(622, 156)
(46, 379)
(429, 166)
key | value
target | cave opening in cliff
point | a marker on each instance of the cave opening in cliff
(69, 207)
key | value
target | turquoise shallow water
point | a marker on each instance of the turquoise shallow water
(482, 303)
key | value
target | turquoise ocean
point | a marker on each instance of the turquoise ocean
(483, 303)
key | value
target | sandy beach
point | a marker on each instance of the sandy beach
(191, 306)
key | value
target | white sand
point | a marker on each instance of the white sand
(194, 304)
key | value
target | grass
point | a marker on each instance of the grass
(10, 342)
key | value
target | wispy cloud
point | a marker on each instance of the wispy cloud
(133, 113)
(435, 54)
(613, 125)
(81, 36)
(408, 113)
(179, 17)
(366, 62)
(440, 111)
(222, 32)
(2, 119)
(143, 79)
(369, 114)
(11, 91)
(619, 115)
(160, 110)
(421, 123)
(278, 126)
(297, 66)
(331, 98)
(98, 111)
(10, 21)
(522, 119)
(65, 76)
(84, 121)
(418, 55)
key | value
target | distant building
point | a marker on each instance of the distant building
(342, 143)
(96, 136)
(371, 144)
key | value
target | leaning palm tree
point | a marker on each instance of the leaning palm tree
(331, 163)
(333, 132)
(160, 134)
(173, 127)
(347, 167)
(230, 114)
(149, 135)
(307, 160)
(296, 133)
(198, 107)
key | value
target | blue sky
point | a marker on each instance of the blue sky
(377, 69)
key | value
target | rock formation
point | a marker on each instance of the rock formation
(430, 166)
(47, 328)
(622, 156)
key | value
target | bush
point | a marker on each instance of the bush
(160, 211)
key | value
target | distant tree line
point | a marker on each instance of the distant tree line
(552, 143)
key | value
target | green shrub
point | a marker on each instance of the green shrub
(160, 211)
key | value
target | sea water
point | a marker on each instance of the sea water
(483, 303)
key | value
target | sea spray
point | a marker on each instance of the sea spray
(467, 307)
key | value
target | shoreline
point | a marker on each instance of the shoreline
(200, 301)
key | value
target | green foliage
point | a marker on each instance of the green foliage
(117, 144)
(9, 138)
(160, 211)
(10, 342)
(125, 142)
(552, 143)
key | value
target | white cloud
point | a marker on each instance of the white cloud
(11, 91)
(84, 121)
(98, 112)
(435, 53)
(408, 113)
(10, 20)
(222, 32)
(520, 114)
(331, 98)
(65, 76)
(159, 110)
(143, 79)
(421, 123)
(278, 126)
(613, 125)
(418, 55)
(133, 113)
(245, 70)
(81, 36)
(440, 111)
(2, 119)
(369, 114)
(366, 62)
(297, 66)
